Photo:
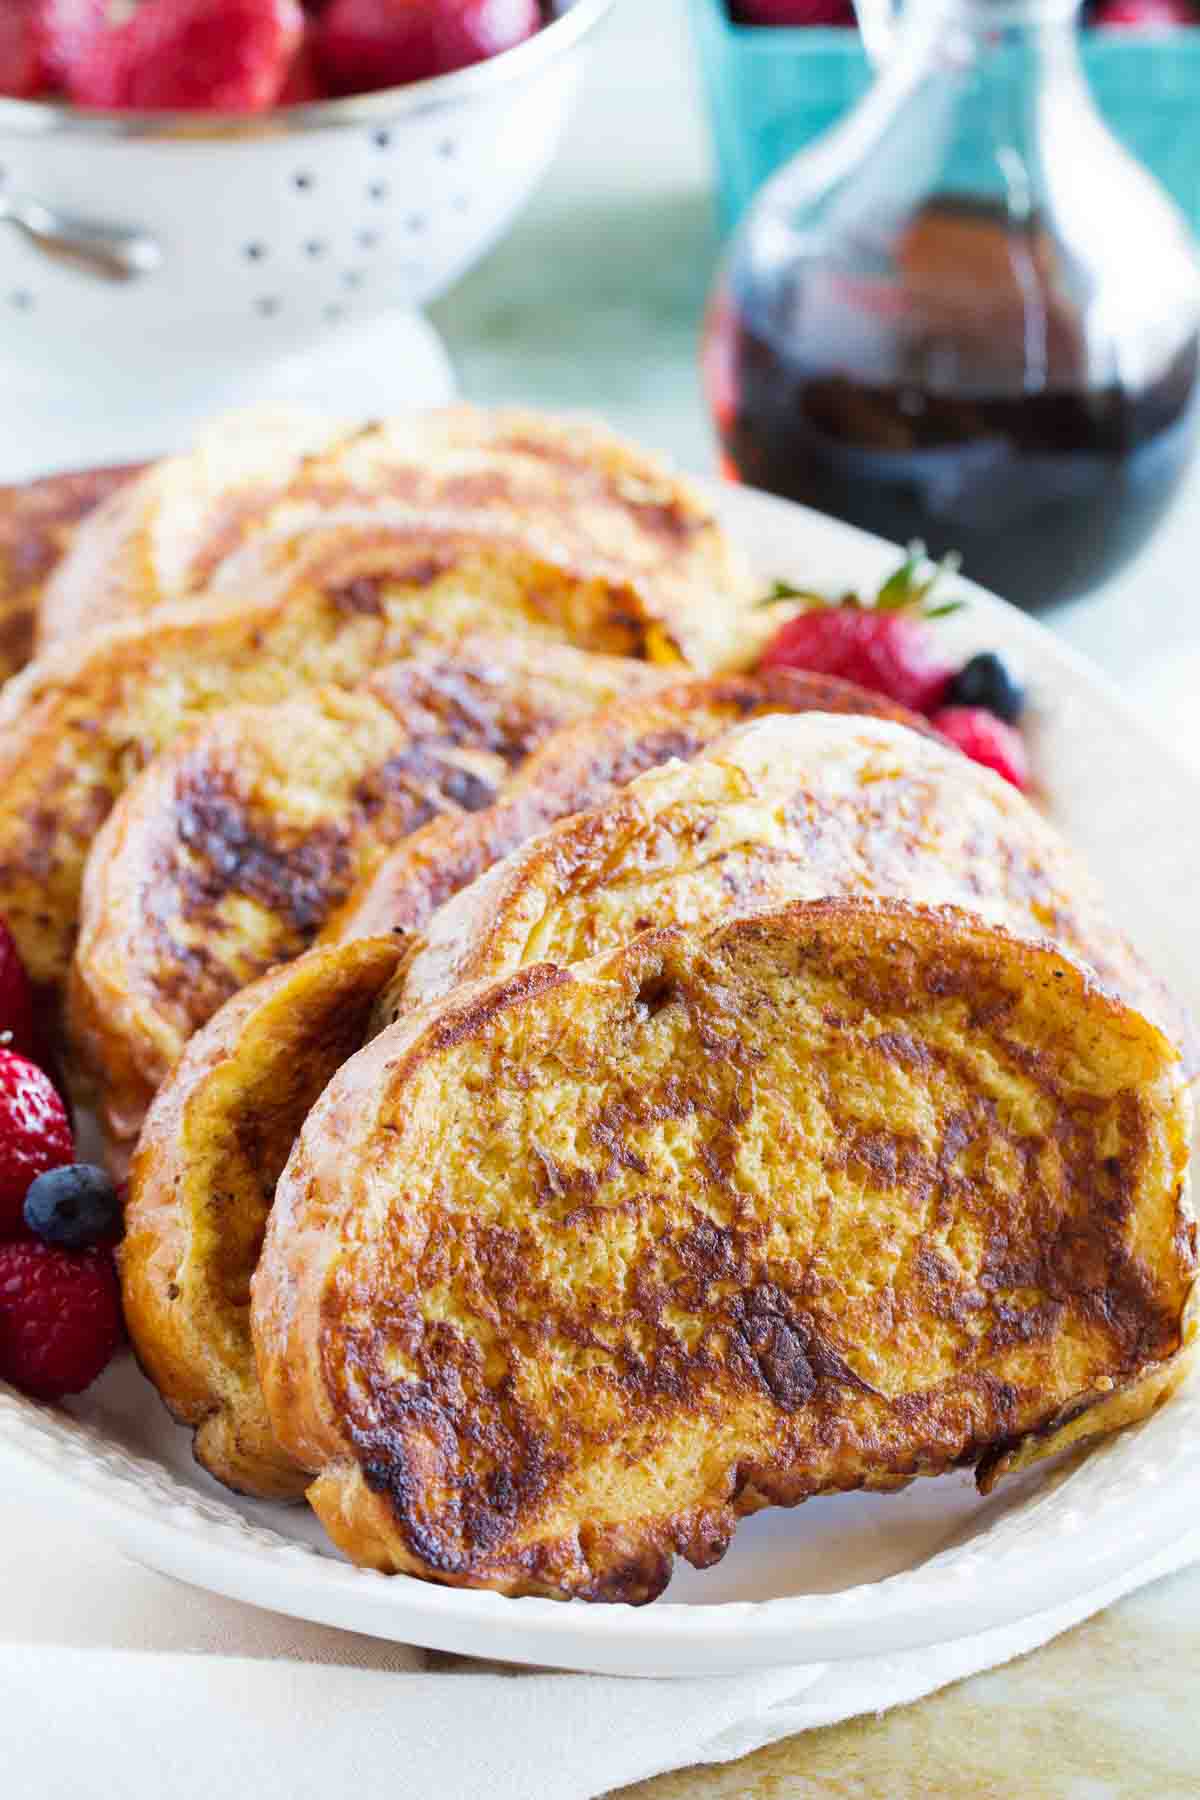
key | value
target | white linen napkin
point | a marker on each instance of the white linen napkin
(109, 1672)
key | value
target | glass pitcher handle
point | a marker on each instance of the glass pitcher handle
(877, 22)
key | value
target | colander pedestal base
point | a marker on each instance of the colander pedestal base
(77, 412)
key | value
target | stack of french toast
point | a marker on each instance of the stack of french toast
(576, 1090)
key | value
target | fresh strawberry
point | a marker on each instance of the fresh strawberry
(95, 65)
(16, 998)
(303, 84)
(35, 1134)
(1156, 16)
(987, 740)
(21, 72)
(470, 31)
(887, 647)
(60, 1317)
(192, 56)
(795, 12)
(368, 44)
(67, 29)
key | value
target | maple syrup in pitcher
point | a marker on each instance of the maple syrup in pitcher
(1011, 373)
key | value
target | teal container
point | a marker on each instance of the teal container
(772, 90)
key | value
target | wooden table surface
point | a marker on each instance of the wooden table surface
(1105, 1712)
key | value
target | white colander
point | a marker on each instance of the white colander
(128, 241)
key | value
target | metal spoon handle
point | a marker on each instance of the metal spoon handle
(113, 252)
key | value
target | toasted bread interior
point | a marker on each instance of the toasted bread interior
(201, 1187)
(573, 1269)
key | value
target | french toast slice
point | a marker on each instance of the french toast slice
(38, 523)
(226, 854)
(236, 507)
(573, 1269)
(788, 807)
(83, 719)
(577, 768)
(162, 536)
(177, 1203)
(201, 1186)
(763, 815)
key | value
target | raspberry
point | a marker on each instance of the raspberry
(66, 31)
(35, 1134)
(60, 1317)
(986, 739)
(368, 44)
(21, 73)
(16, 997)
(192, 55)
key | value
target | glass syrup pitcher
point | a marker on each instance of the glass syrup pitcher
(966, 315)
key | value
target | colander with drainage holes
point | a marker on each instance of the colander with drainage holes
(131, 240)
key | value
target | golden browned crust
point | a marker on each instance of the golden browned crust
(225, 855)
(1098, 1414)
(795, 807)
(255, 485)
(38, 523)
(85, 718)
(576, 769)
(545, 583)
(201, 1186)
(573, 1269)
(161, 538)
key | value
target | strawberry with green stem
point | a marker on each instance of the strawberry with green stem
(885, 646)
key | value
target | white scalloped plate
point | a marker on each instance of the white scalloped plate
(839, 1577)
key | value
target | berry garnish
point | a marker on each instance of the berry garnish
(887, 647)
(986, 739)
(368, 44)
(988, 681)
(35, 1134)
(74, 1206)
(60, 1317)
(16, 997)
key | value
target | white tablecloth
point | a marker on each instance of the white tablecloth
(119, 1682)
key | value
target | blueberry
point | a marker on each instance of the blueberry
(988, 681)
(74, 1206)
